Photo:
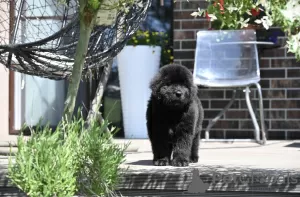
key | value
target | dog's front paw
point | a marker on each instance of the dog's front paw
(194, 159)
(180, 162)
(161, 162)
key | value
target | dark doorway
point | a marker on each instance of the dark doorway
(160, 18)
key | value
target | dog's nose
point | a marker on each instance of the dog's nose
(178, 93)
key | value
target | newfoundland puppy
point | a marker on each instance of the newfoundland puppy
(174, 117)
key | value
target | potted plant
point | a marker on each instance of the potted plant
(138, 62)
(258, 14)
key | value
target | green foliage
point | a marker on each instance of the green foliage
(154, 39)
(45, 165)
(101, 158)
(232, 14)
(94, 4)
(287, 16)
(148, 38)
(70, 159)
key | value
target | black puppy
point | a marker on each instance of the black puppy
(174, 117)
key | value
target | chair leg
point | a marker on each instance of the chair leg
(252, 114)
(221, 113)
(262, 118)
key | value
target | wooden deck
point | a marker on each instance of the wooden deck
(224, 169)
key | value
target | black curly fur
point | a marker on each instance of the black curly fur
(174, 117)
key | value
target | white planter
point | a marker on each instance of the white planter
(137, 66)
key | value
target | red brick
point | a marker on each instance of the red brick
(246, 124)
(284, 63)
(264, 63)
(276, 135)
(193, 5)
(280, 52)
(285, 83)
(275, 114)
(266, 103)
(177, 5)
(269, 93)
(205, 104)
(293, 93)
(231, 114)
(195, 24)
(293, 114)
(184, 54)
(227, 124)
(183, 15)
(215, 134)
(210, 114)
(210, 94)
(239, 134)
(269, 73)
(289, 124)
(189, 44)
(176, 25)
(285, 104)
(277, 106)
(176, 45)
(188, 64)
(293, 73)
(220, 104)
(293, 135)
(264, 83)
(181, 35)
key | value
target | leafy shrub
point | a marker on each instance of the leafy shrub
(71, 159)
(101, 158)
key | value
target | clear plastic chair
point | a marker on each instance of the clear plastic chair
(229, 58)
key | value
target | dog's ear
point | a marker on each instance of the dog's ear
(155, 84)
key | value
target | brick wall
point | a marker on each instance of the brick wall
(280, 81)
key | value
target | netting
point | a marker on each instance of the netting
(39, 37)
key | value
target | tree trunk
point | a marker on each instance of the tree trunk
(96, 103)
(87, 17)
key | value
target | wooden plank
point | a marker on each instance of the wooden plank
(170, 193)
(14, 192)
(11, 192)
(265, 181)
(221, 169)
(166, 181)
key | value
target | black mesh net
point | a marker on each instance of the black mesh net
(39, 37)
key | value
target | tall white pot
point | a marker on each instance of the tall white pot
(137, 65)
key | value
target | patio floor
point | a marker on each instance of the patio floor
(224, 166)
(233, 167)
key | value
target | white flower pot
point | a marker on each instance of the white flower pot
(137, 66)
